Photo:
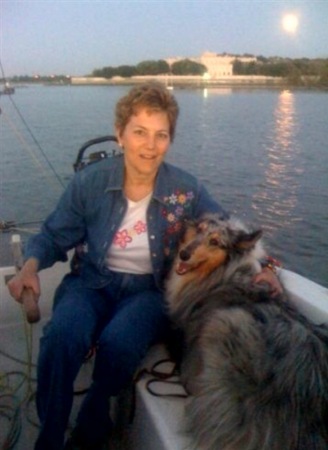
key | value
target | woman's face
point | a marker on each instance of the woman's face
(145, 140)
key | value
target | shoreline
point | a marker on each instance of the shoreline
(172, 81)
(199, 82)
(187, 82)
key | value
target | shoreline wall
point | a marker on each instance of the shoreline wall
(187, 81)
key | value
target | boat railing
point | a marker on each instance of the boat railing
(84, 157)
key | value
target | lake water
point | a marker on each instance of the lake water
(262, 153)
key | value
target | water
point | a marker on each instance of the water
(262, 154)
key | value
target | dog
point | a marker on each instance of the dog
(256, 369)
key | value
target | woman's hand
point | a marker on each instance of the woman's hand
(25, 288)
(267, 276)
(26, 278)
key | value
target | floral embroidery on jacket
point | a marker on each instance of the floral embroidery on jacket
(177, 204)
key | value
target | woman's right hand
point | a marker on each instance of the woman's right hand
(25, 288)
(26, 278)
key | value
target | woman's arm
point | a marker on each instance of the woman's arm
(268, 275)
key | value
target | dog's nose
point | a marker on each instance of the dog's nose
(184, 255)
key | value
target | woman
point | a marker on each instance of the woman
(128, 211)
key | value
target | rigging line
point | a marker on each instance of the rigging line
(36, 142)
(23, 142)
(13, 224)
(33, 222)
(26, 230)
(2, 71)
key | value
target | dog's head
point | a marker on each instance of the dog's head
(210, 242)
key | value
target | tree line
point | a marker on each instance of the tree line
(296, 71)
(152, 67)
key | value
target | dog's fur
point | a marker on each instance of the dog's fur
(255, 368)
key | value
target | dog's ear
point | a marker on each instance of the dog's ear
(245, 241)
(188, 224)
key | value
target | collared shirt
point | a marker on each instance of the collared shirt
(93, 206)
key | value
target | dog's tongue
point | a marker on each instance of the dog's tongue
(182, 268)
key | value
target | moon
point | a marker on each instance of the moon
(290, 23)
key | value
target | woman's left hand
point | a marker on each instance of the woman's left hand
(268, 277)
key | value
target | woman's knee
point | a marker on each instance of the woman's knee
(73, 323)
(62, 338)
(119, 347)
(116, 364)
(126, 339)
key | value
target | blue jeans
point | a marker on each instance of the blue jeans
(124, 318)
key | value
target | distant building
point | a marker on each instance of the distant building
(218, 65)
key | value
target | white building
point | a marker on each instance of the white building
(218, 65)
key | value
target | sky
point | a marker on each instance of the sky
(74, 37)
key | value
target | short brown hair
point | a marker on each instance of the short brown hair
(153, 96)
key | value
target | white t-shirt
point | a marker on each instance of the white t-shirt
(130, 251)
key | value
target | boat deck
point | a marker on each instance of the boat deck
(158, 421)
(19, 346)
(19, 422)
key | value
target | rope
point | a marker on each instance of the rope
(21, 139)
(160, 378)
(29, 149)
(18, 229)
(11, 403)
(36, 142)
(10, 225)
(3, 72)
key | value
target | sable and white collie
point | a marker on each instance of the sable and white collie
(255, 368)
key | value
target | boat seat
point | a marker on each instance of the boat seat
(158, 421)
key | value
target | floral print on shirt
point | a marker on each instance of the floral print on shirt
(124, 237)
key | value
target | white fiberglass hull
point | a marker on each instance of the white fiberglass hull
(158, 421)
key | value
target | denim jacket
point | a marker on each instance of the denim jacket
(93, 206)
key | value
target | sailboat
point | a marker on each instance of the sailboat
(8, 89)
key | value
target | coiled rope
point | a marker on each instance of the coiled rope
(12, 401)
